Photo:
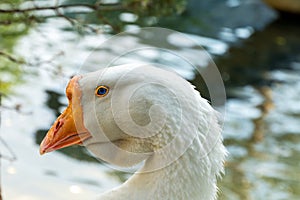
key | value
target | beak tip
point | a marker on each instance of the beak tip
(42, 152)
(42, 148)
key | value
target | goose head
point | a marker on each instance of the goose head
(133, 113)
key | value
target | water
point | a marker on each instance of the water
(262, 135)
(262, 129)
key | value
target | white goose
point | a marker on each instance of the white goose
(138, 113)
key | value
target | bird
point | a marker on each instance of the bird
(138, 114)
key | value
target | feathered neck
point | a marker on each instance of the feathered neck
(192, 176)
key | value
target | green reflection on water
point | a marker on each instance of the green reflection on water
(12, 27)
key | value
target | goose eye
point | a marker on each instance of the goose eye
(101, 91)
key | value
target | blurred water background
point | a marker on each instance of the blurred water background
(256, 49)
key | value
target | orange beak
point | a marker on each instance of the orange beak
(68, 129)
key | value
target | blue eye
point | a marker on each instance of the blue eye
(101, 91)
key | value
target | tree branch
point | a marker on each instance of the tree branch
(59, 10)
(102, 7)
(11, 58)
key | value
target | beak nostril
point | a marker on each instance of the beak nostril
(59, 124)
